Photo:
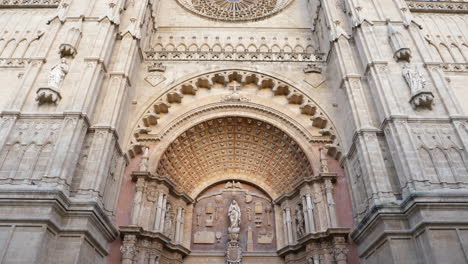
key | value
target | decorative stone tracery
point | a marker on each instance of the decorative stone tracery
(239, 10)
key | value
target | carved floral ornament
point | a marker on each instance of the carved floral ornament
(231, 80)
(235, 10)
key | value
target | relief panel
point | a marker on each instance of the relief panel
(210, 221)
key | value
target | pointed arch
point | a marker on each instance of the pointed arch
(20, 49)
(228, 48)
(11, 161)
(28, 161)
(456, 52)
(9, 49)
(193, 48)
(445, 52)
(205, 48)
(240, 48)
(40, 168)
(435, 52)
(169, 47)
(299, 49)
(31, 49)
(263, 48)
(443, 166)
(287, 48)
(217, 48)
(457, 162)
(181, 47)
(252, 48)
(276, 48)
(430, 173)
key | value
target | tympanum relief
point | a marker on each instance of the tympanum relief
(231, 214)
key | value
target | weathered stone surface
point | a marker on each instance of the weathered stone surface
(338, 117)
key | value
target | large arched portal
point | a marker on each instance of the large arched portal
(234, 135)
(282, 186)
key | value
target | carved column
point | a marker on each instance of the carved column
(285, 228)
(163, 214)
(306, 216)
(128, 249)
(181, 229)
(157, 219)
(140, 185)
(310, 212)
(330, 203)
(177, 226)
(289, 226)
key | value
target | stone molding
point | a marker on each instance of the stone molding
(294, 96)
(14, 62)
(142, 234)
(232, 56)
(66, 207)
(438, 6)
(147, 176)
(29, 3)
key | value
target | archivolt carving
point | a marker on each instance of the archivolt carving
(235, 145)
(225, 79)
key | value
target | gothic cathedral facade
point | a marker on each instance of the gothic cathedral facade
(233, 131)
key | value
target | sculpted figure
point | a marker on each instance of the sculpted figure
(299, 221)
(323, 161)
(415, 79)
(57, 74)
(144, 160)
(234, 214)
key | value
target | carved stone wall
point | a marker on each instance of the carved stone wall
(210, 219)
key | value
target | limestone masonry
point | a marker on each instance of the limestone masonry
(233, 131)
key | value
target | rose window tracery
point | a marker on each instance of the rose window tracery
(234, 10)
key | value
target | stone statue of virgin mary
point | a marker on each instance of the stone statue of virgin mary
(234, 214)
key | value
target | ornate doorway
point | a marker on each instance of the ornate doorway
(234, 190)
(212, 221)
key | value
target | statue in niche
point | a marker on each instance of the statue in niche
(144, 160)
(57, 74)
(420, 95)
(50, 93)
(234, 214)
(299, 221)
(323, 161)
(168, 221)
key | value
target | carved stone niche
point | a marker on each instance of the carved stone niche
(158, 209)
(310, 226)
(69, 46)
(140, 246)
(320, 248)
(421, 96)
(213, 229)
(401, 50)
(50, 94)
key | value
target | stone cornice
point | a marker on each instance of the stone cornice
(143, 234)
(441, 6)
(315, 237)
(164, 180)
(232, 56)
(30, 3)
(68, 207)
(310, 180)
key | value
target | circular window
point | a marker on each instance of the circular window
(235, 10)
